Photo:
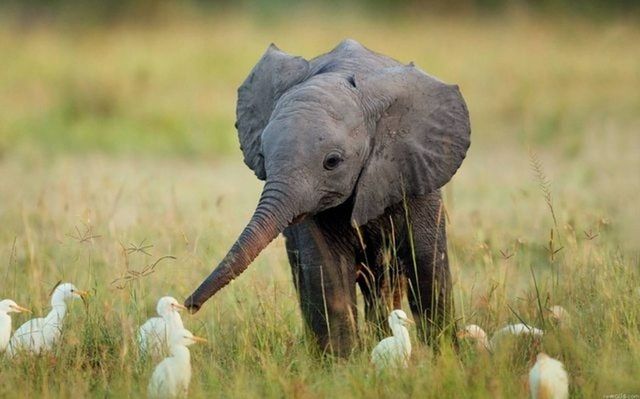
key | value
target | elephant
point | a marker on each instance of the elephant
(353, 147)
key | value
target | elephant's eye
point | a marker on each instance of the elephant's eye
(332, 160)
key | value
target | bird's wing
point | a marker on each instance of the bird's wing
(29, 327)
(162, 384)
(554, 382)
(152, 336)
(534, 380)
(524, 329)
(29, 336)
(155, 326)
(176, 321)
(384, 352)
(515, 330)
(5, 331)
(155, 383)
(51, 331)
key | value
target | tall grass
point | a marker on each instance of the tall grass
(258, 347)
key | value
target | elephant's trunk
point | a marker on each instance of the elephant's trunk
(273, 213)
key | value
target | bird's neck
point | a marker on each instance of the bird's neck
(181, 353)
(174, 319)
(401, 334)
(5, 320)
(5, 330)
(58, 310)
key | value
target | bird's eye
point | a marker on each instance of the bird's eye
(332, 160)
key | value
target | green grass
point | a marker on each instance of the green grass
(169, 88)
(127, 134)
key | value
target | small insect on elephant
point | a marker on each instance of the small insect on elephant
(353, 147)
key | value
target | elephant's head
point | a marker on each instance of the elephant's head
(350, 125)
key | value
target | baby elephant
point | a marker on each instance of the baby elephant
(353, 147)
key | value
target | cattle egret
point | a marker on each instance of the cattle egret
(479, 336)
(517, 330)
(7, 306)
(155, 334)
(394, 351)
(171, 376)
(38, 335)
(548, 379)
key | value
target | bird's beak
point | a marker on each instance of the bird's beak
(410, 321)
(461, 334)
(20, 309)
(179, 306)
(199, 339)
(83, 294)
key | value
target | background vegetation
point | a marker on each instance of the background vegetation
(116, 132)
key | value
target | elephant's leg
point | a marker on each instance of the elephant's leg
(325, 279)
(426, 265)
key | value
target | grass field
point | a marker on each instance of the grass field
(122, 137)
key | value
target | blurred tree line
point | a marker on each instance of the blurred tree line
(110, 11)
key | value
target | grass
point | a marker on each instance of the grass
(169, 88)
(122, 138)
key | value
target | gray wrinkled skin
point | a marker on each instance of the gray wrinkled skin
(353, 147)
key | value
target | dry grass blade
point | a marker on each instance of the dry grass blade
(590, 235)
(506, 254)
(54, 288)
(85, 236)
(141, 248)
(538, 301)
(131, 275)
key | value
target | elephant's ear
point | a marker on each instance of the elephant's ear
(273, 75)
(420, 135)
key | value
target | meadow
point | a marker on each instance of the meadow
(120, 172)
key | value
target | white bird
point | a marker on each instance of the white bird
(41, 334)
(154, 335)
(394, 351)
(517, 330)
(7, 306)
(479, 336)
(548, 379)
(171, 376)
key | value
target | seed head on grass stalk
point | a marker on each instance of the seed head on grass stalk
(545, 186)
